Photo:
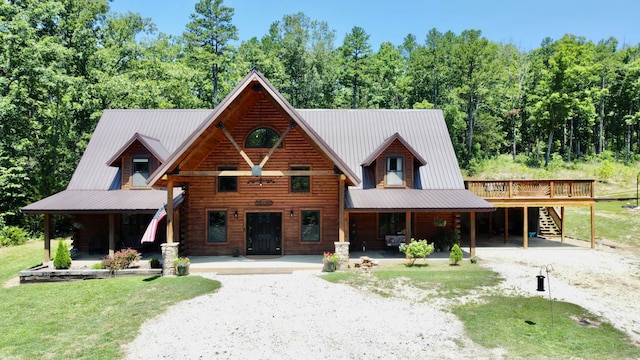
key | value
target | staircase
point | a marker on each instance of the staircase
(549, 222)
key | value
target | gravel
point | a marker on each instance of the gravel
(301, 316)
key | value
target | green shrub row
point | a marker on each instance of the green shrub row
(12, 235)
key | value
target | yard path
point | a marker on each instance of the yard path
(300, 316)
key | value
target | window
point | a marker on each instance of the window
(300, 183)
(395, 175)
(217, 229)
(227, 183)
(262, 138)
(310, 225)
(391, 224)
(140, 172)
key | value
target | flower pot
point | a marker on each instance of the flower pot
(328, 266)
(182, 270)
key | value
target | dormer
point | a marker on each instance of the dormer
(140, 156)
(393, 164)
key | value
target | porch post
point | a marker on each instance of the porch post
(342, 246)
(593, 225)
(47, 239)
(562, 224)
(341, 233)
(472, 233)
(170, 211)
(525, 228)
(506, 225)
(112, 234)
(408, 231)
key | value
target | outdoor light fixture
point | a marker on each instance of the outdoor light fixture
(291, 214)
(235, 214)
(540, 280)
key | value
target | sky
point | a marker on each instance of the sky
(524, 23)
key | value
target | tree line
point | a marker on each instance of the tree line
(62, 62)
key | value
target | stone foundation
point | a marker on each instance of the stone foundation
(342, 249)
(169, 253)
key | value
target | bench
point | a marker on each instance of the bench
(394, 241)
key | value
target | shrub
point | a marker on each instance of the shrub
(62, 260)
(120, 260)
(12, 235)
(416, 249)
(455, 256)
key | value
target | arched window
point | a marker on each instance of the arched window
(262, 138)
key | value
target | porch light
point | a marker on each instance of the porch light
(291, 214)
(235, 214)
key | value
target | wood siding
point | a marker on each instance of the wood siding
(273, 196)
(396, 149)
(136, 150)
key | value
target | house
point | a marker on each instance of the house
(254, 176)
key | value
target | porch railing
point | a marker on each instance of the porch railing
(539, 189)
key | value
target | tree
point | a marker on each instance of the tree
(355, 52)
(208, 38)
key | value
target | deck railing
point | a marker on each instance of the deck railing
(545, 189)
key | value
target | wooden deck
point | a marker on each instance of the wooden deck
(518, 193)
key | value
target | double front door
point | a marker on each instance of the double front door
(264, 233)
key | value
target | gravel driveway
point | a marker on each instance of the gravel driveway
(300, 316)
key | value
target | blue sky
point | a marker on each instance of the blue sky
(525, 23)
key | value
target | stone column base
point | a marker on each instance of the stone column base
(169, 252)
(342, 249)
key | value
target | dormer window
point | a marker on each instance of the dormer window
(140, 172)
(395, 173)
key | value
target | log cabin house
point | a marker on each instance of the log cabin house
(256, 176)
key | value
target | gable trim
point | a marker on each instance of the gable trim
(153, 145)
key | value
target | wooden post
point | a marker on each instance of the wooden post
(490, 225)
(47, 239)
(525, 228)
(341, 216)
(346, 223)
(562, 224)
(112, 234)
(408, 233)
(170, 211)
(506, 225)
(472, 233)
(593, 225)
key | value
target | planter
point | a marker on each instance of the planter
(328, 266)
(182, 270)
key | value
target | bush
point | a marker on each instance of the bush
(62, 260)
(121, 259)
(12, 235)
(416, 249)
(455, 256)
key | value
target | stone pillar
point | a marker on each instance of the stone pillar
(169, 252)
(342, 249)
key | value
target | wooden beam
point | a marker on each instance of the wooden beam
(341, 222)
(593, 226)
(47, 239)
(408, 231)
(506, 225)
(274, 147)
(112, 234)
(170, 211)
(472, 233)
(235, 144)
(525, 228)
(562, 224)
(248, 173)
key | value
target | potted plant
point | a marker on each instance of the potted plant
(182, 265)
(330, 261)
(154, 263)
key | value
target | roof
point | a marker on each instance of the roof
(100, 201)
(368, 161)
(154, 146)
(415, 200)
(356, 134)
(253, 80)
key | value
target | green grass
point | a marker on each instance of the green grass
(81, 319)
(522, 326)
(526, 328)
(613, 223)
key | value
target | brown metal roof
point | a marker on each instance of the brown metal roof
(356, 134)
(98, 201)
(116, 128)
(458, 200)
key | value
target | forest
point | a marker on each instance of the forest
(62, 62)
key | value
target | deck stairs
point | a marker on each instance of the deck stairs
(549, 222)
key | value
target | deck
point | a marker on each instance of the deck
(519, 193)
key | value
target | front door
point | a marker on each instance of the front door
(264, 233)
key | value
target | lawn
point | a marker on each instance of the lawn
(614, 223)
(523, 326)
(82, 319)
